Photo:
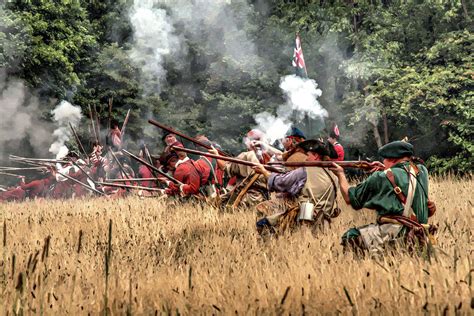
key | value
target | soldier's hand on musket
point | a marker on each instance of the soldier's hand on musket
(336, 169)
(260, 169)
(376, 166)
(220, 163)
(213, 151)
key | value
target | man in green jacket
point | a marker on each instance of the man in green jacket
(399, 195)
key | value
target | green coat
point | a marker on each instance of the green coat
(376, 193)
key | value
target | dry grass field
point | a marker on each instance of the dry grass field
(192, 259)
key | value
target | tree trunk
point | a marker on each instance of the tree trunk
(377, 137)
(385, 128)
(464, 7)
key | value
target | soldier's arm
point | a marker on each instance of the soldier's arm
(343, 183)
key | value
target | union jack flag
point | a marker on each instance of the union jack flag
(298, 58)
(336, 130)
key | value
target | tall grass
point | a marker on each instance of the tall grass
(167, 257)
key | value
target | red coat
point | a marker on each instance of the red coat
(37, 187)
(186, 173)
(15, 194)
(340, 152)
(145, 172)
(206, 171)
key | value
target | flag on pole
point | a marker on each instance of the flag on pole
(336, 130)
(298, 58)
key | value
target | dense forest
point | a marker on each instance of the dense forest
(387, 69)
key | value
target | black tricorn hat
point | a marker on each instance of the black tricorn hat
(314, 145)
(72, 154)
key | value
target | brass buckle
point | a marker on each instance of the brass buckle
(397, 190)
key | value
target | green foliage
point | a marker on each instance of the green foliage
(60, 41)
(407, 64)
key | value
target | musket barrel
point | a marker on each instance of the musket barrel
(326, 164)
(81, 183)
(191, 139)
(126, 186)
(230, 159)
(167, 176)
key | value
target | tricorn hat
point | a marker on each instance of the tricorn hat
(295, 132)
(314, 145)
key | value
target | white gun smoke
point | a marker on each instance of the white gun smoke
(154, 39)
(64, 114)
(216, 24)
(20, 117)
(301, 100)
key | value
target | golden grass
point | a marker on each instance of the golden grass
(171, 258)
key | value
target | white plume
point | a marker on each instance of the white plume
(64, 114)
(154, 39)
(20, 116)
(301, 99)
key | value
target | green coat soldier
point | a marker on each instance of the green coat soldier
(399, 195)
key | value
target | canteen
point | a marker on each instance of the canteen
(306, 211)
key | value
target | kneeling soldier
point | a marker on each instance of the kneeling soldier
(399, 195)
(307, 195)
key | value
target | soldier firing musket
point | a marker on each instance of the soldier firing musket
(399, 195)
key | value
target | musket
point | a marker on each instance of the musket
(45, 160)
(11, 174)
(97, 123)
(78, 141)
(84, 172)
(124, 173)
(111, 100)
(22, 169)
(230, 159)
(191, 139)
(93, 125)
(167, 176)
(126, 186)
(124, 125)
(358, 164)
(133, 179)
(81, 183)
(148, 156)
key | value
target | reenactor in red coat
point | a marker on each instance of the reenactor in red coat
(38, 188)
(14, 193)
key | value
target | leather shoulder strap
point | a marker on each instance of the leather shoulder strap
(396, 188)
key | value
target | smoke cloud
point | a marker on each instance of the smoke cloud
(20, 118)
(301, 100)
(160, 28)
(219, 25)
(154, 39)
(64, 114)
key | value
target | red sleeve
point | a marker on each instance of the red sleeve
(340, 152)
(35, 187)
(188, 175)
(30, 185)
(145, 172)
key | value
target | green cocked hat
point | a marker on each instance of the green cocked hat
(397, 149)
